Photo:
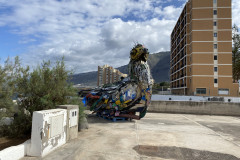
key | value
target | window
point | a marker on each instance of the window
(222, 91)
(215, 46)
(215, 34)
(190, 70)
(215, 23)
(201, 90)
(215, 57)
(214, 1)
(214, 12)
(215, 69)
(215, 80)
(190, 80)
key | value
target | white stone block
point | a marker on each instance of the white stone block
(48, 131)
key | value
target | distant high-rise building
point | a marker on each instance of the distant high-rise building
(107, 74)
(201, 50)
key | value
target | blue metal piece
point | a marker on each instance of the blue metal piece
(84, 101)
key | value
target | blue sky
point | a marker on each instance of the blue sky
(87, 33)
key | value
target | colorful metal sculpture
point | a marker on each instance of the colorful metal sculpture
(130, 95)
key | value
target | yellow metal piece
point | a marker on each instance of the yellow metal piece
(118, 102)
(127, 101)
(137, 51)
(106, 101)
(108, 107)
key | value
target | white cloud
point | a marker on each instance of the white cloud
(169, 12)
(236, 12)
(86, 32)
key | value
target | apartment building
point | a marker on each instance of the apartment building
(201, 50)
(107, 75)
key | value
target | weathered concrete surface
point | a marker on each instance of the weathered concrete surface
(156, 136)
(48, 131)
(72, 130)
(190, 107)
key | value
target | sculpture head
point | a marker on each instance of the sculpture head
(139, 52)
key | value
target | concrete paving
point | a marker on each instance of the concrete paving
(156, 136)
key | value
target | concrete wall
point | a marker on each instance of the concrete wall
(156, 97)
(48, 131)
(164, 92)
(209, 108)
(15, 152)
(72, 117)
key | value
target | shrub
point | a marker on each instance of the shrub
(20, 128)
(44, 88)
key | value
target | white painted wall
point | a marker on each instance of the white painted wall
(73, 117)
(15, 152)
(156, 97)
(48, 131)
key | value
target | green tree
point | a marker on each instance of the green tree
(236, 53)
(43, 88)
(162, 86)
(7, 86)
(166, 84)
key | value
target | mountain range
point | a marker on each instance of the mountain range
(159, 64)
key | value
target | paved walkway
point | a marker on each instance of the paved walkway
(156, 136)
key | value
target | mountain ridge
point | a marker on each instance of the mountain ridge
(159, 64)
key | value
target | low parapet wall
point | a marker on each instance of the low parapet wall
(191, 107)
(15, 152)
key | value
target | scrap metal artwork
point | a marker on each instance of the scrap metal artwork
(129, 97)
